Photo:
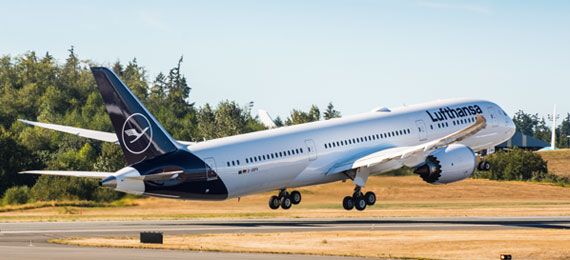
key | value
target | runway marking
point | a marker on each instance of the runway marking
(256, 228)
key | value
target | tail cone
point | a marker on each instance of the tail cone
(109, 182)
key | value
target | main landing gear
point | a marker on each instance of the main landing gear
(285, 200)
(483, 166)
(359, 200)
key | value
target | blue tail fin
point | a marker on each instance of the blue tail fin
(139, 133)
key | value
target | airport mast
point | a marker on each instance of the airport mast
(553, 118)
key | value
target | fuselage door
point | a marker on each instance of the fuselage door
(422, 131)
(493, 116)
(311, 149)
(210, 169)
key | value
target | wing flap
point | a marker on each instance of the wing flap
(97, 175)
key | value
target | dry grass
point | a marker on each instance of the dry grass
(397, 197)
(521, 244)
(558, 161)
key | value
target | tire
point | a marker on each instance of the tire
(479, 166)
(370, 198)
(274, 202)
(348, 203)
(295, 197)
(360, 203)
(486, 166)
(286, 203)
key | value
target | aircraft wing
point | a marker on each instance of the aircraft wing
(91, 134)
(97, 175)
(409, 155)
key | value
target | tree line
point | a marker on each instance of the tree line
(38, 88)
(536, 126)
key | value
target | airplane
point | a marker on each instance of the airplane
(439, 140)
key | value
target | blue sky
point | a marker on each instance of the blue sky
(291, 54)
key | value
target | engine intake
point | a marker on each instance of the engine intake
(449, 164)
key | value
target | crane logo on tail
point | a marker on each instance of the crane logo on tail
(137, 133)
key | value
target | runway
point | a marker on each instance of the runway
(16, 238)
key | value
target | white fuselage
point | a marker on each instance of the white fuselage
(302, 155)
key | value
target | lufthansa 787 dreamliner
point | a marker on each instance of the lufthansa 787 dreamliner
(438, 140)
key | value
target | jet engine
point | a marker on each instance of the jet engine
(448, 164)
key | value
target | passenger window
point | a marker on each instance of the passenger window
(246, 160)
(237, 162)
(233, 163)
(288, 152)
(301, 150)
(228, 164)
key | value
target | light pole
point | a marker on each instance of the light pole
(553, 118)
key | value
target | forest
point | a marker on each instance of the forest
(39, 88)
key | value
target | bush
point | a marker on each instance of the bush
(517, 164)
(16, 195)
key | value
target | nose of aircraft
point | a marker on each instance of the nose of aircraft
(511, 125)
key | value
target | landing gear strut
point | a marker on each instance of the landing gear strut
(359, 200)
(285, 200)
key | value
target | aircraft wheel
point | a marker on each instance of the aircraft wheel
(295, 197)
(360, 203)
(286, 203)
(348, 203)
(274, 202)
(370, 198)
(486, 166)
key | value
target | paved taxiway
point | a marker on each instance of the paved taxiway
(15, 237)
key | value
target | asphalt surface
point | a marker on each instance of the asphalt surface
(29, 240)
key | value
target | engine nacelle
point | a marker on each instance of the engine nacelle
(449, 164)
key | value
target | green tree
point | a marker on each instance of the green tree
(525, 123)
(330, 112)
(563, 131)
(517, 164)
(14, 158)
(300, 117)
(542, 131)
(16, 195)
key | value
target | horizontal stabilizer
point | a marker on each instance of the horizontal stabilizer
(92, 134)
(97, 175)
